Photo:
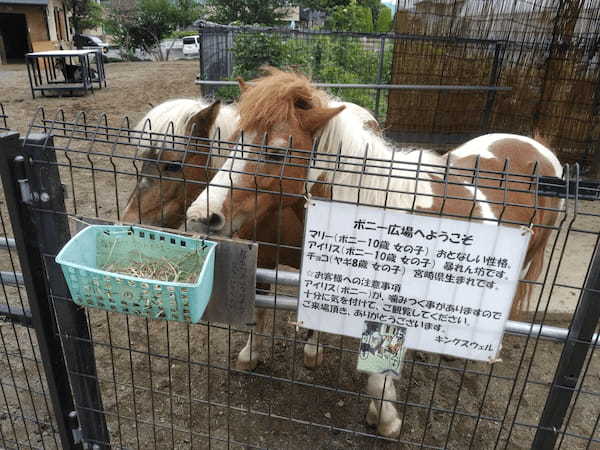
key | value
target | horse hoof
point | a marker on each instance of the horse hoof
(390, 429)
(371, 418)
(247, 365)
(312, 357)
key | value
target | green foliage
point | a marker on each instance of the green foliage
(245, 12)
(384, 20)
(353, 17)
(323, 5)
(327, 59)
(149, 23)
(186, 12)
(84, 14)
(252, 50)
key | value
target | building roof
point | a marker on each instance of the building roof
(24, 2)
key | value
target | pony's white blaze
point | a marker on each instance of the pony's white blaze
(212, 199)
(480, 146)
(279, 142)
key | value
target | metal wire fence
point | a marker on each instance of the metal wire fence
(3, 117)
(424, 78)
(173, 385)
(26, 414)
(357, 67)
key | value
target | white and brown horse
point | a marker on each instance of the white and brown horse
(284, 113)
(161, 197)
(176, 140)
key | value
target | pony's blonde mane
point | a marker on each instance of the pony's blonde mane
(179, 112)
(271, 99)
(346, 143)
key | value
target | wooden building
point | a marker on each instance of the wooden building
(28, 25)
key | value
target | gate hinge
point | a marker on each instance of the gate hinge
(75, 427)
(27, 196)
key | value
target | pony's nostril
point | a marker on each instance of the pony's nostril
(215, 222)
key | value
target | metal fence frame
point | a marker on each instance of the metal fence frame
(217, 61)
(35, 199)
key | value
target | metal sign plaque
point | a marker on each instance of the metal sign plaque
(234, 287)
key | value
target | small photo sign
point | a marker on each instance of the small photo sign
(381, 349)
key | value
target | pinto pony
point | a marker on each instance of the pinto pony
(179, 159)
(359, 166)
(160, 197)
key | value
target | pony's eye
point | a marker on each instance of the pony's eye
(173, 167)
(302, 104)
(275, 156)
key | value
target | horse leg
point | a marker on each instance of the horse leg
(313, 352)
(269, 256)
(382, 412)
(250, 354)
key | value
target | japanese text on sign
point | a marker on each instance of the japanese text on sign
(450, 283)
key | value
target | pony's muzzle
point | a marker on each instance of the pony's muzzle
(212, 223)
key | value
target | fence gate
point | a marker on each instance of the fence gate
(119, 381)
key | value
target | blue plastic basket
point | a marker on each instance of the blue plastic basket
(83, 256)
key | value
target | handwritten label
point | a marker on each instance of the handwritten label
(449, 282)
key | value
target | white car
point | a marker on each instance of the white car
(191, 46)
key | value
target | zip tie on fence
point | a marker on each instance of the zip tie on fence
(297, 325)
(525, 230)
(308, 198)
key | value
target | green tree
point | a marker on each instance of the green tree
(149, 23)
(84, 14)
(247, 12)
(323, 5)
(186, 12)
(353, 17)
(384, 20)
(253, 50)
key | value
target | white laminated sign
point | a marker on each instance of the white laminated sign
(449, 282)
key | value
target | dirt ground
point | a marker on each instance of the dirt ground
(169, 385)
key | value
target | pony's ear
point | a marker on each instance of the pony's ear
(315, 118)
(242, 83)
(201, 123)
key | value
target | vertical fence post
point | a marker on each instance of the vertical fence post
(380, 76)
(37, 295)
(201, 74)
(572, 359)
(493, 80)
(35, 201)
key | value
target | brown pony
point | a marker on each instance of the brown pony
(179, 161)
(282, 113)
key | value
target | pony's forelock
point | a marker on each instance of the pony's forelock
(271, 99)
